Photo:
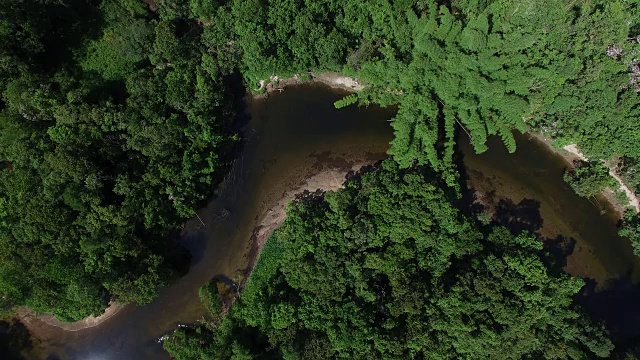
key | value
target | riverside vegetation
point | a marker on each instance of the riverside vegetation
(116, 117)
(387, 268)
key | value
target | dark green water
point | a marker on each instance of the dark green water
(295, 135)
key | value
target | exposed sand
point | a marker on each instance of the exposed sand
(631, 196)
(32, 320)
(334, 80)
(338, 81)
(573, 149)
(328, 180)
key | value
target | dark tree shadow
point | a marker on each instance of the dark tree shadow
(309, 197)
(235, 118)
(61, 27)
(356, 175)
(617, 306)
(192, 247)
(14, 340)
(181, 258)
(524, 216)
(555, 253)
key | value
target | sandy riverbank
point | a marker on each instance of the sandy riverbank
(33, 321)
(330, 179)
(275, 84)
(572, 153)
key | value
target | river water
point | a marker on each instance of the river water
(296, 134)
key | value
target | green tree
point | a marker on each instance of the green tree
(211, 298)
(388, 268)
(631, 229)
(589, 178)
(111, 131)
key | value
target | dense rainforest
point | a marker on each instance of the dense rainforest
(113, 126)
(387, 268)
(116, 119)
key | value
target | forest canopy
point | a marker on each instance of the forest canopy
(116, 116)
(388, 268)
(112, 128)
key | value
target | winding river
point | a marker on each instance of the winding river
(298, 135)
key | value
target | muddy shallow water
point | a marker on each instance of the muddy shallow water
(295, 135)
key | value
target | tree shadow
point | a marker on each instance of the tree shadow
(229, 282)
(189, 251)
(556, 251)
(15, 339)
(523, 216)
(356, 175)
(235, 118)
(62, 26)
(616, 306)
(309, 197)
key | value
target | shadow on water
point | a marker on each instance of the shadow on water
(309, 197)
(288, 139)
(229, 282)
(234, 121)
(14, 339)
(558, 249)
(523, 216)
(524, 191)
(195, 244)
(617, 307)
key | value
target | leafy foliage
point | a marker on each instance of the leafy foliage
(482, 67)
(211, 298)
(631, 229)
(589, 178)
(388, 268)
(115, 114)
(104, 152)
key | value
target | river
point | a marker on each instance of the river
(297, 134)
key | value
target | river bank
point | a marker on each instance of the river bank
(526, 191)
(571, 153)
(296, 140)
(275, 84)
(330, 179)
(323, 181)
(32, 320)
(42, 324)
